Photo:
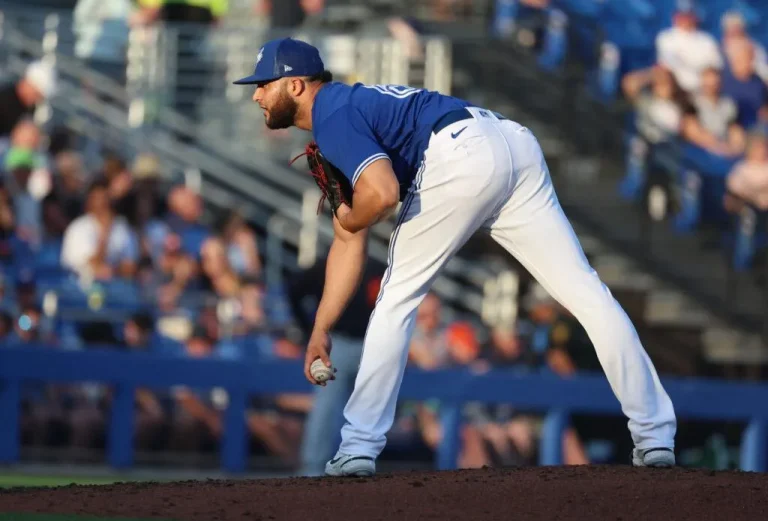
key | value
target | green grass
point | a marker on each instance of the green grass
(65, 517)
(27, 480)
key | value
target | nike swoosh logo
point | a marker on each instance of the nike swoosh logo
(454, 135)
(333, 461)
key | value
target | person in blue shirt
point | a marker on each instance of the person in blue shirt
(744, 86)
(457, 169)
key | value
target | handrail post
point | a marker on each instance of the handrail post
(233, 448)
(450, 445)
(551, 444)
(754, 446)
(10, 398)
(121, 427)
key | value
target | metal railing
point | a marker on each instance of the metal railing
(124, 120)
(544, 392)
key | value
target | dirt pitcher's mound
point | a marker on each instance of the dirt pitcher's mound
(567, 493)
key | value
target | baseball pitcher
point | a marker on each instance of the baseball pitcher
(457, 169)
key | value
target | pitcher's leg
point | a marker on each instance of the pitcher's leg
(539, 235)
(420, 247)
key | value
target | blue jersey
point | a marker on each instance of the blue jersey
(359, 124)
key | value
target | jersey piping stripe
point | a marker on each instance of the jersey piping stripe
(403, 213)
(364, 165)
(390, 253)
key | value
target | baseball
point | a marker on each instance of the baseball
(319, 371)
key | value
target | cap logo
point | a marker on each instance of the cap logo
(260, 55)
(288, 68)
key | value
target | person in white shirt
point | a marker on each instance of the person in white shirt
(99, 244)
(101, 30)
(687, 51)
(659, 103)
(713, 124)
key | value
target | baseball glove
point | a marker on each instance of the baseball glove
(334, 185)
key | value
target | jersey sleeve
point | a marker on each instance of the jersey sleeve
(347, 140)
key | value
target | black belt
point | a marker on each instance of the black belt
(455, 116)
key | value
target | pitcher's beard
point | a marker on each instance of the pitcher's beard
(283, 113)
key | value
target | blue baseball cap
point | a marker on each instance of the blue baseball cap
(282, 58)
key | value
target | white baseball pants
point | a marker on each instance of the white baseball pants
(493, 176)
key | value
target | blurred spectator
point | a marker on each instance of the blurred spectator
(26, 138)
(570, 349)
(6, 326)
(463, 344)
(175, 243)
(55, 221)
(288, 14)
(748, 181)
(253, 317)
(190, 11)
(174, 270)
(531, 22)
(7, 224)
(69, 182)
(20, 163)
(26, 294)
(60, 138)
(139, 197)
(100, 244)
(659, 103)
(183, 220)
(507, 349)
(27, 135)
(744, 86)
(385, 22)
(713, 125)
(101, 32)
(449, 10)
(116, 175)
(686, 50)
(218, 275)
(429, 348)
(240, 242)
(21, 98)
(734, 31)
(542, 313)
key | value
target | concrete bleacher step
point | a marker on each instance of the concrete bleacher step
(695, 269)
(681, 335)
(669, 324)
(729, 346)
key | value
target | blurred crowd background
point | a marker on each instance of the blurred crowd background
(108, 243)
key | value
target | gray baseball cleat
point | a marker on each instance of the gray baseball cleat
(661, 457)
(347, 465)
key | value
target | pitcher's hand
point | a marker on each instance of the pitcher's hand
(319, 347)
